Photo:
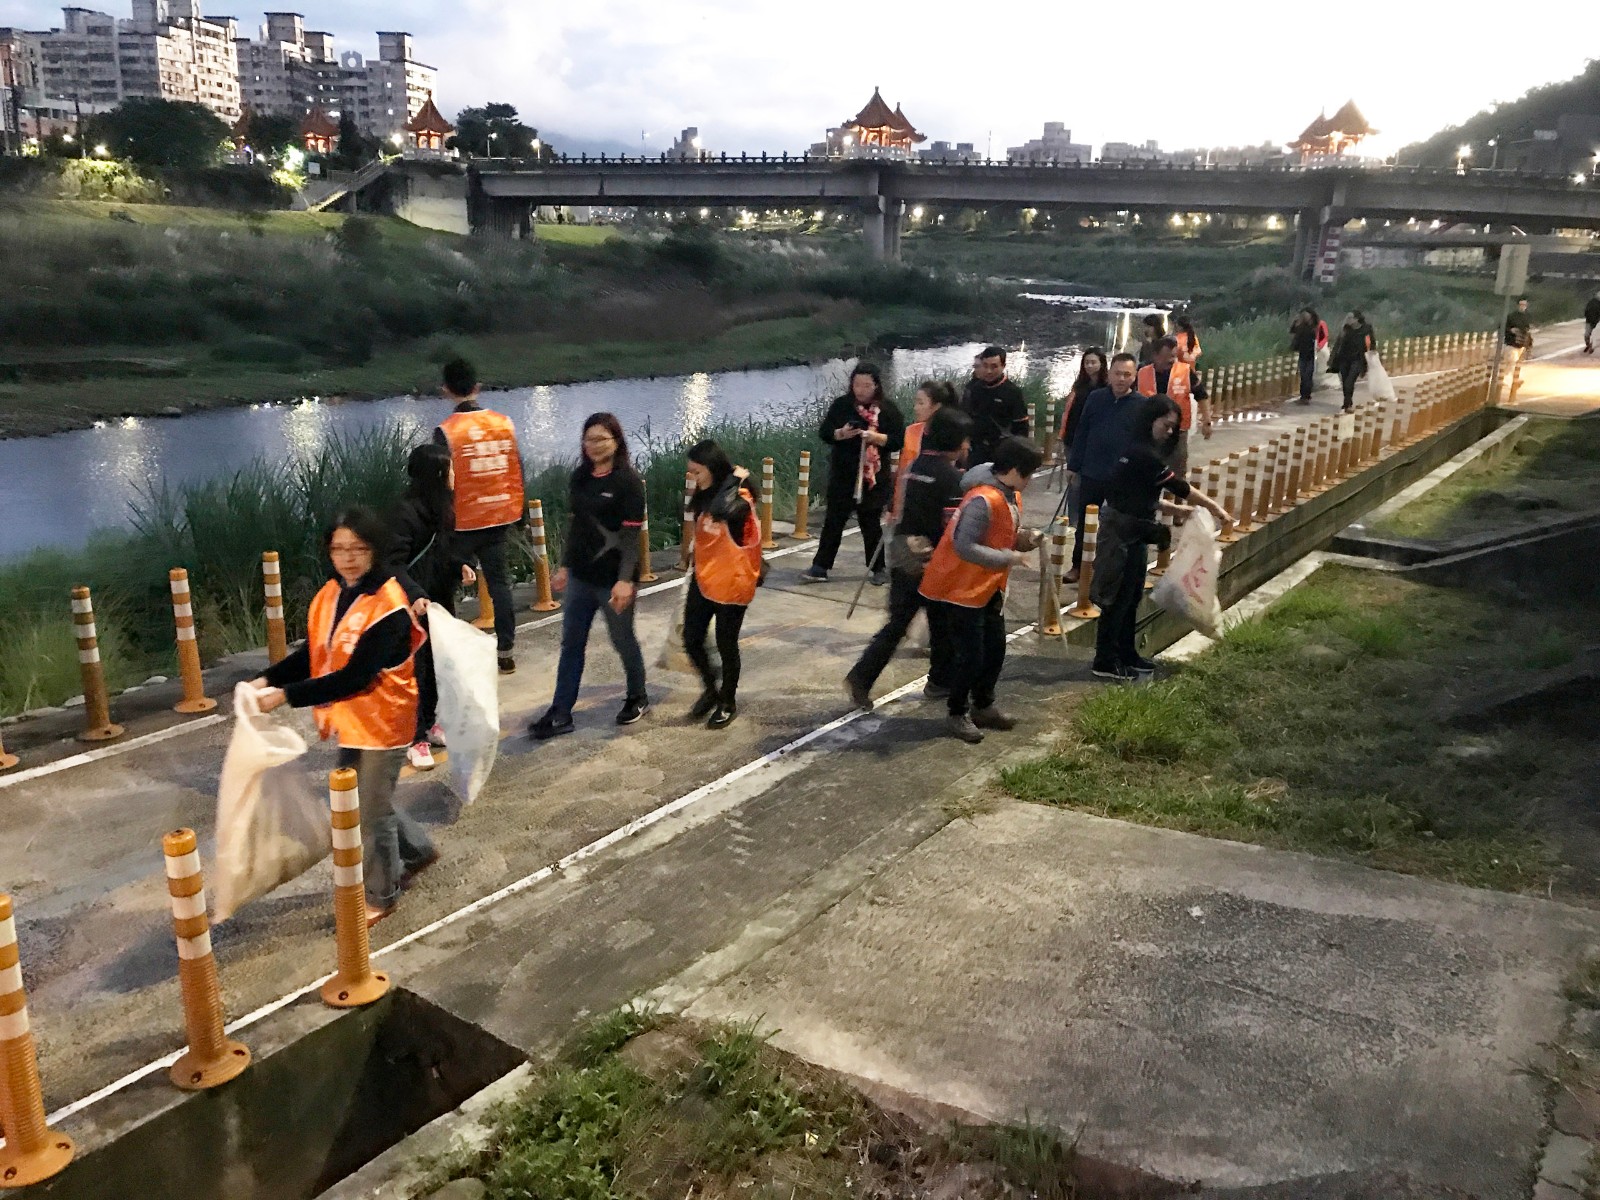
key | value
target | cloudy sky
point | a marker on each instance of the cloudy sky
(755, 74)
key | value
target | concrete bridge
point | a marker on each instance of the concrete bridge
(500, 194)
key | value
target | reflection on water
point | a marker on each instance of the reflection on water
(55, 490)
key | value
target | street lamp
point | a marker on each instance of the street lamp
(1494, 158)
(101, 151)
(1463, 152)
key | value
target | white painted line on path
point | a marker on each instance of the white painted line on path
(92, 756)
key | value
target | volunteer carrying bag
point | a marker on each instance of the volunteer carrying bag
(469, 699)
(272, 825)
(1189, 587)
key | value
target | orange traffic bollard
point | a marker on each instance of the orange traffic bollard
(802, 498)
(485, 617)
(546, 602)
(272, 590)
(7, 761)
(211, 1058)
(1297, 467)
(646, 575)
(97, 725)
(1049, 441)
(33, 1151)
(686, 536)
(1247, 502)
(355, 983)
(194, 699)
(1052, 561)
(1091, 534)
(1163, 555)
(766, 505)
(1233, 497)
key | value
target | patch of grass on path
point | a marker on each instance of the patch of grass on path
(650, 1109)
(1554, 469)
(1324, 726)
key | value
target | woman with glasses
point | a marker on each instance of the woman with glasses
(599, 572)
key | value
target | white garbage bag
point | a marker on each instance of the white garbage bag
(469, 699)
(271, 823)
(1321, 378)
(1379, 386)
(1189, 587)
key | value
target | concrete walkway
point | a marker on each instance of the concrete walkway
(1004, 943)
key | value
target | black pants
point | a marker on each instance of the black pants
(1114, 639)
(978, 640)
(1348, 374)
(868, 515)
(697, 614)
(1308, 375)
(904, 601)
(488, 546)
(427, 677)
(1090, 491)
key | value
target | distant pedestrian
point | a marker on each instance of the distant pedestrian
(1092, 376)
(1101, 438)
(933, 397)
(489, 498)
(599, 572)
(931, 494)
(421, 555)
(1591, 318)
(727, 571)
(997, 405)
(966, 579)
(1188, 341)
(1167, 375)
(1127, 524)
(862, 427)
(1303, 332)
(1151, 330)
(1350, 354)
(1519, 328)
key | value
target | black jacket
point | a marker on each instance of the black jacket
(845, 456)
(1352, 346)
(1591, 310)
(420, 556)
(1303, 338)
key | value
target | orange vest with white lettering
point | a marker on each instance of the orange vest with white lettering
(483, 449)
(727, 571)
(953, 579)
(384, 717)
(1178, 387)
(908, 455)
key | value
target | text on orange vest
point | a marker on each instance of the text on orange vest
(1178, 387)
(483, 450)
(384, 717)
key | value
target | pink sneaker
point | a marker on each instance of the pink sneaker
(420, 757)
(436, 737)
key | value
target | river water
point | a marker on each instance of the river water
(55, 491)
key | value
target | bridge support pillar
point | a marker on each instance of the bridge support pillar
(880, 225)
(1307, 231)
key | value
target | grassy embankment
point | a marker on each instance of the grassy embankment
(1329, 725)
(1553, 470)
(655, 1109)
(175, 309)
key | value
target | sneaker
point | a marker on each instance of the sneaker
(508, 665)
(420, 757)
(879, 577)
(991, 717)
(1142, 666)
(703, 706)
(963, 728)
(409, 876)
(552, 724)
(633, 708)
(813, 575)
(859, 694)
(1114, 672)
(722, 716)
(1071, 576)
(436, 737)
(934, 691)
(1303, 400)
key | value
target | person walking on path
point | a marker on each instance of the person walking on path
(1151, 330)
(599, 572)
(933, 396)
(1170, 376)
(966, 580)
(1303, 335)
(1101, 438)
(1092, 375)
(727, 570)
(997, 405)
(1349, 357)
(489, 493)
(1188, 341)
(863, 427)
(930, 496)
(357, 669)
(421, 555)
(1591, 318)
(1127, 524)
(1519, 328)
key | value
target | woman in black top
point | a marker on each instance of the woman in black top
(864, 428)
(1303, 341)
(599, 571)
(1349, 356)
(421, 555)
(1127, 523)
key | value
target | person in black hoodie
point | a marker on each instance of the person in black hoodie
(864, 428)
(1349, 356)
(421, 555)
(1303, 341)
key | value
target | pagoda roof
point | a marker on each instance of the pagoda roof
(319, 124)
(1349, 120)
(875, 115)
(429, 120)
(905, 126)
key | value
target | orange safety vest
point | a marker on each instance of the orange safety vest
(908, 455)
(1178, 387)
(384, 717)
(1187, 353)
(727, 571)
(953, 579)
(483, 449)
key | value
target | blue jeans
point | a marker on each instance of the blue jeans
(392, 842)
(577, 616)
